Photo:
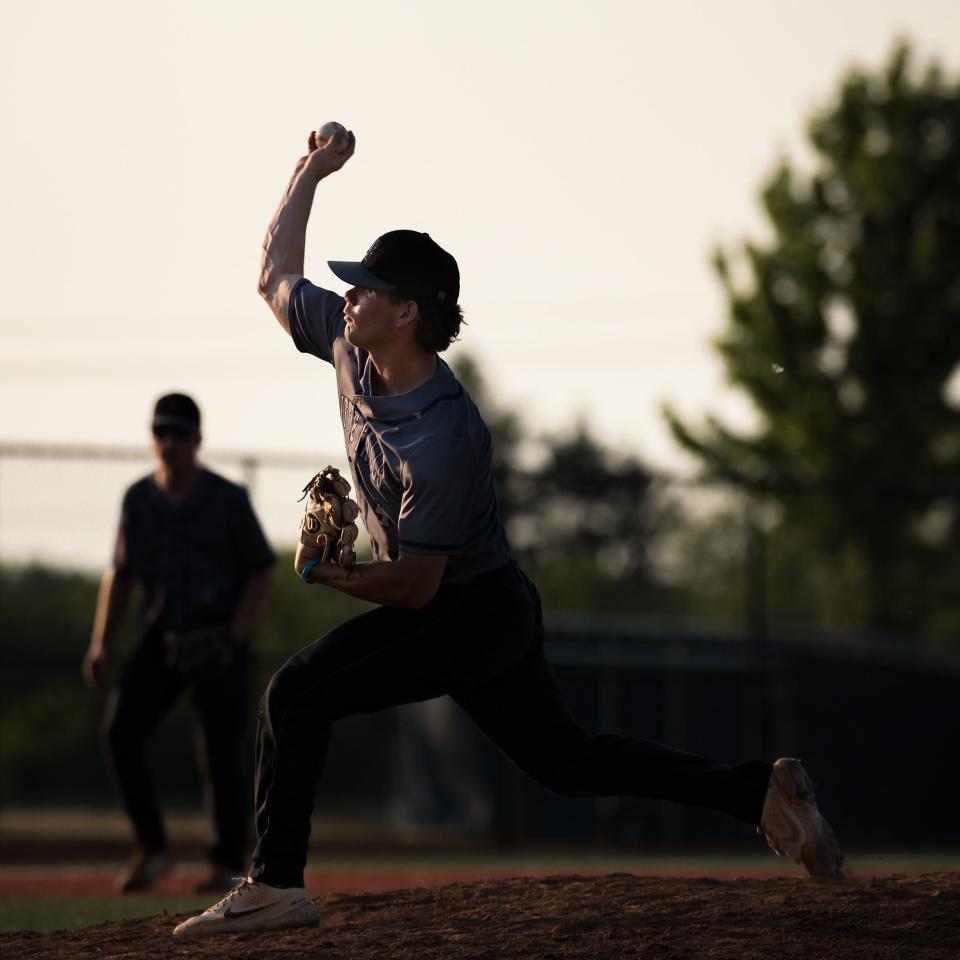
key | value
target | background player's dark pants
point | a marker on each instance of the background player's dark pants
(147, 689)
(482, 643)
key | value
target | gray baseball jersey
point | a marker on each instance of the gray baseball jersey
(420, 461)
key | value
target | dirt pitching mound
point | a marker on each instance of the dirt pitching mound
(553, 918)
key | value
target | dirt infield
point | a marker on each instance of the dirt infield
(553, 918)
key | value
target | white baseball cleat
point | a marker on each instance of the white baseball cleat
(252, 905)
(792, 824)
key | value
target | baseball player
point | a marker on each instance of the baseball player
(455, 613)
(190, 538)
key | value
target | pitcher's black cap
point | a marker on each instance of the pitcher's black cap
(176, 410)
(404, 260)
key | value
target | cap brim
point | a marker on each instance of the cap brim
(357, 275)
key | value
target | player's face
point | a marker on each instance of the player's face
(371, 317)
(175, 448)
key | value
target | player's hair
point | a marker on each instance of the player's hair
(438, 323)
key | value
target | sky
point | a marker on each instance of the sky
(581, 160)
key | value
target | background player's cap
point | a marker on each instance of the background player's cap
(404, 260)
(176, 410)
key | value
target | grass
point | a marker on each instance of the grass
(46, 914)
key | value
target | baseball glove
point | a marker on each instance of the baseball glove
(196, 652)
(328, 517)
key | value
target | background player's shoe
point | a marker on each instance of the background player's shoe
(145, 868)
(792, 824)
(252, 905)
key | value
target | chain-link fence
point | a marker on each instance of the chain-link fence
(60, 503)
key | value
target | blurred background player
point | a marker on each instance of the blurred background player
(192, 542)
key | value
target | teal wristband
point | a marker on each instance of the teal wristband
(308, 566)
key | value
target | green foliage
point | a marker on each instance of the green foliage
(579, 517)
(297, 614)
(49, 720)
(718, 577)
(706, 560)
(583, 500)
(47, 723)
(846, 337)
(46, 914)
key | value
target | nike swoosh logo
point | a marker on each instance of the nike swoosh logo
(231, 914)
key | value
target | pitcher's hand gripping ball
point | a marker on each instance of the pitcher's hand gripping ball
(328, 518)
(327, 132)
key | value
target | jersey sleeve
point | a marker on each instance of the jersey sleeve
(439, 480)
(316, 319)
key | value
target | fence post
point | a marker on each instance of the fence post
(756, 623)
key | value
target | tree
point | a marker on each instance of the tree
(580, 518)
(846, 336)
(506, 430)
(581, 499)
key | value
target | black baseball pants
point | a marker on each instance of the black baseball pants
(147, 689)
(482, 643)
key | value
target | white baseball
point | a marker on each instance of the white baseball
(329, 130)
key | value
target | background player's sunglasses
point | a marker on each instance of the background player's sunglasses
(166, 431)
